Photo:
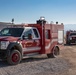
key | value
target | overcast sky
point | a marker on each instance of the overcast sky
(28, 11)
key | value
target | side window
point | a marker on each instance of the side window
(47, 34)
(27, 33)
(36, 35)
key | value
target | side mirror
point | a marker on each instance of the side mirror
(24, 37)
(27, 37)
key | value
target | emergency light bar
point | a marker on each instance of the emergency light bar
(42, 18)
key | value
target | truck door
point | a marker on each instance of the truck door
(31, 42)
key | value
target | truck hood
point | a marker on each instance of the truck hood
(8, 38)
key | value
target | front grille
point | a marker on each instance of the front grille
(2, 54)
(74, 38)
(0, 45)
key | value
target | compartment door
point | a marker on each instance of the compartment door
(60, 36)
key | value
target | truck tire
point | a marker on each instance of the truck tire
(54, 54)
(66, 42)
(14, 57)
(69, 42)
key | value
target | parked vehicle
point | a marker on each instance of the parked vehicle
(19, 41)
(70, 37)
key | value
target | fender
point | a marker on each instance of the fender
(14, 45)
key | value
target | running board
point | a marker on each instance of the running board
(30, 55)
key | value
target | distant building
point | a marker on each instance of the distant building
(4, 25)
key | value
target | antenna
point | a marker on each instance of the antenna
(12, 20)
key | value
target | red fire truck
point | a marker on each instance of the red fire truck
(19, 41)
(71, 37)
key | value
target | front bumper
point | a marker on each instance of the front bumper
(73, 41)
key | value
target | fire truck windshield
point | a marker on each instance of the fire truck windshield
(16, 32)
(72, 34)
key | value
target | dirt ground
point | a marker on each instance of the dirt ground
(64, 64)
(69, 53)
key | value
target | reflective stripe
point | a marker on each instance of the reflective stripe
(47, 47)
(31, 49)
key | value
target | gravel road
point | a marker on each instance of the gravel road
(41, 65)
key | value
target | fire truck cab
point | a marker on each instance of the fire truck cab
(19, 41)
(70, 37)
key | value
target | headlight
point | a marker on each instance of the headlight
(4, 44)
(70, 38)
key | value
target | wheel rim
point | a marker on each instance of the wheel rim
(15, 57)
